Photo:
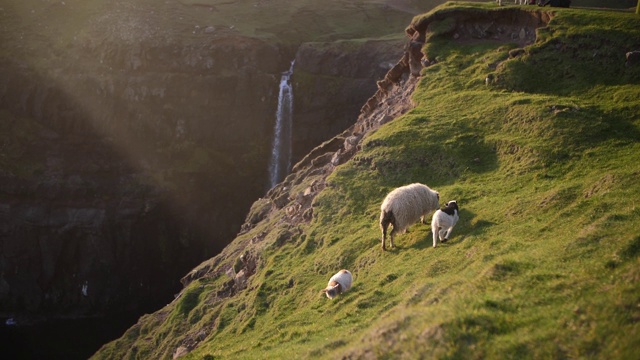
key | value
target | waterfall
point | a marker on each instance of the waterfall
(280, 163)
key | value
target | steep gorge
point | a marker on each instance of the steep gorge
(105, 170)
(122, 154)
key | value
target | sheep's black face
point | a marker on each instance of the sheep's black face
(451, 208)
(331, 293)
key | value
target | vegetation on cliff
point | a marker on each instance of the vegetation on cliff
(538, 144)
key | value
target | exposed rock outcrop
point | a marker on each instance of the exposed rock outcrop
(345, 72)
(513, 25)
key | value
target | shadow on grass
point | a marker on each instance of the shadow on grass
(471, 225)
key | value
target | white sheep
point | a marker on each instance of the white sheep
(443, 221)
(339, 283)
(404, 206)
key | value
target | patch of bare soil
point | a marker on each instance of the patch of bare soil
(511, 25)
(521, 33)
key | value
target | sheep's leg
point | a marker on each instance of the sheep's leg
(386, 218)
(391, 236)
(384, 234)
(447, 234)
(434, 230)
(441, 234)
(446, 237)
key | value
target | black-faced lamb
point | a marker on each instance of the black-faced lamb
(443, 221)
(404, 206)
(339, 283)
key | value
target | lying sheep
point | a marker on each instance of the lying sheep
(339, 283)
(404, 206)
(443, 222)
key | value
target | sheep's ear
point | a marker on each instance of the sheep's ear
(323, 291)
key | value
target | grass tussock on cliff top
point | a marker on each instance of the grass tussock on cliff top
(544, 262)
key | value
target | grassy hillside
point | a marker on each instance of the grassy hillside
(544, 263)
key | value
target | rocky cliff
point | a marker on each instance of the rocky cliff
(106, 161)
(132, 146)
(332, 81)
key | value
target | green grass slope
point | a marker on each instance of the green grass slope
(544, 262)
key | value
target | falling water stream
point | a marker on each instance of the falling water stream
(280, 163)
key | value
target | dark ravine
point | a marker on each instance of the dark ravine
(103, 176)
(76, 206)
(108, 150)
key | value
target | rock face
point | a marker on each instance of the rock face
(106, 162)
(125, 160)
(344, 73)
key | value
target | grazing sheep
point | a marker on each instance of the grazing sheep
(443, 222)
(339, 283)
(404, 206)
